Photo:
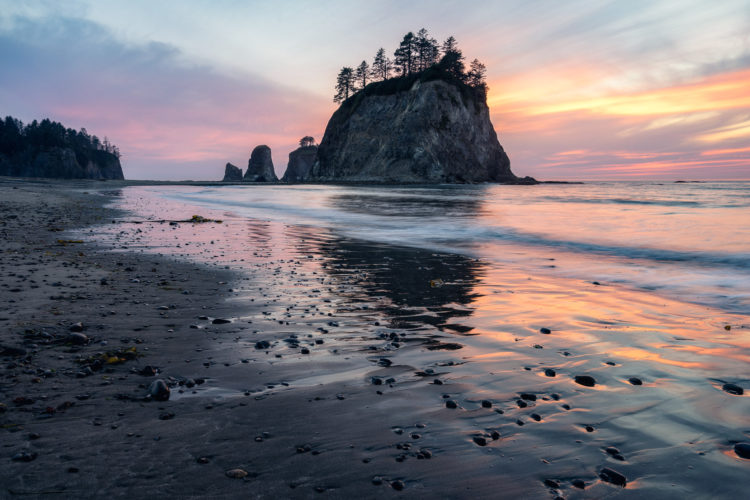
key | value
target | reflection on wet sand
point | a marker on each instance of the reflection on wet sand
(519, 376)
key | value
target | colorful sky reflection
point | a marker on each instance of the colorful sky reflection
(578, 89)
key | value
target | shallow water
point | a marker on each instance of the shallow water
(632, 280)
(689, 241)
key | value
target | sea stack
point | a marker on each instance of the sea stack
(300, 162)
(260, 166)
(429, 128)
(232, 173)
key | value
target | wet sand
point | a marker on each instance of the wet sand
(344, 368)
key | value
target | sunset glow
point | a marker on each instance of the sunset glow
(591, 92)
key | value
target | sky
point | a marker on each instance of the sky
(579, 90)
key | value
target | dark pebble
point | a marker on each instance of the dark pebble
(480, 440)
(612, 476)
(528, 396)
(397, 485)
(545, 331)
(521, 403)
(148, 371)
(262, 344)
(76, 327)
(221, 321)
(24, 456)
(589, 428)
(305, 350)
(551, 483)
(437, 381)
(167, 415)
(77, 338)
(635, 381)
(486, 404)
(451, 404)
(578, 483)
(159, 390)
(495, 435)
(73, 470)
(377, 480)
(733, 389)
(202, 460)
(376, 381)
(742, 450)
(550, 372)
(536, 416)
(426, 454)
(586, 380)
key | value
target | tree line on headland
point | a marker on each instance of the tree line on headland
(15, 137)
(415, 54)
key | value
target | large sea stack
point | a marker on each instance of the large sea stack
(300, 162)
(260, 166)
(424, 128)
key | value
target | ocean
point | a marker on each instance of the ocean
(687, 241)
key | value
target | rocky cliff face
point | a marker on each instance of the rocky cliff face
(260, 166)
(300, 162)
(232, 173)
(430, 132)
(62, 163)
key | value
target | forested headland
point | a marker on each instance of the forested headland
(48, 149)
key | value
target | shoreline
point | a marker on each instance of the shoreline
(335, 372)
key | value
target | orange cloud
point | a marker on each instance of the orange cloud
(713, 152)
(721, 92)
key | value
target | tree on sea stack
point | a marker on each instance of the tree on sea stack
(361, 74)
(381, 66)
(476, 76)
(307, 141)
(344, 84)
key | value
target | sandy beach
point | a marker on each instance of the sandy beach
(302, 365)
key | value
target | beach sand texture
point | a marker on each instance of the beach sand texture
(301, 363)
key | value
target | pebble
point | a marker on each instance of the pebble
(578, 483)
(635, 381)
(24, 456)
(451, 404)
(528, 396)
(236, 473)
(76, 327)
(733, 389)
(586, 380)
(550, 372)
(77, 338)
(159, 390)
(397, 485)
(545, 331)
(486, 404)
(262, 344)
(480, 440)
(221, 321)
(742, 450)
(612, 476)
